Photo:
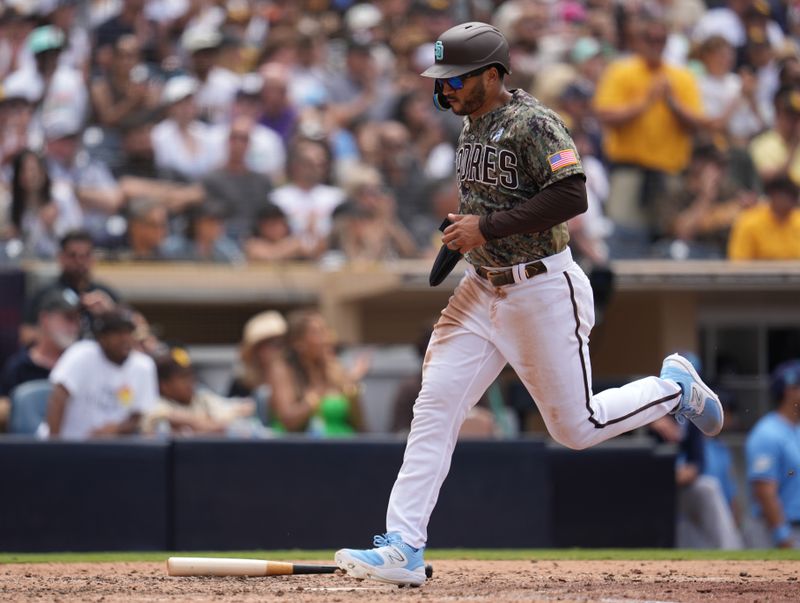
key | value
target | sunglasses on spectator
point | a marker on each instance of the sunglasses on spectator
(457, 82)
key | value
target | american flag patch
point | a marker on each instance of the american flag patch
(562, 159)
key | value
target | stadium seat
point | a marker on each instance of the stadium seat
(29, 406)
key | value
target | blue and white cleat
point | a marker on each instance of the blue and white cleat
(698, 403)
(391, 561)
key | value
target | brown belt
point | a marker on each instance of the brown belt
(505, 276)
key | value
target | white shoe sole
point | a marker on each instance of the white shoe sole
(356, 568)
(687, 366)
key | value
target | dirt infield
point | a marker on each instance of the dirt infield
(453, 581)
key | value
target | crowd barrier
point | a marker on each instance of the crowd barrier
(203, 494)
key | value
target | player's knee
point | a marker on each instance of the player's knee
(572, 440)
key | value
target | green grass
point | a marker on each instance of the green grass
(432, 555)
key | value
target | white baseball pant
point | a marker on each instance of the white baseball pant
(540, 326)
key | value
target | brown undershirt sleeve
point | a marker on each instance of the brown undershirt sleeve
(552, 205)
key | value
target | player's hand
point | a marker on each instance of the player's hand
(464, 234)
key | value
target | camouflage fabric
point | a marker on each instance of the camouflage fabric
(506, 157)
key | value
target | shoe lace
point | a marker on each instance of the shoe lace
(385, 539)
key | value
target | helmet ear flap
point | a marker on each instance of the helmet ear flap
(439, 99)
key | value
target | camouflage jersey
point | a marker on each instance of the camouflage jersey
(504, 158)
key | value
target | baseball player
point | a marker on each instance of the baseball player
(773, 463)
(522, 300)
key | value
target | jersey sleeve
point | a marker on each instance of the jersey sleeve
(551, 154)
(763, 456)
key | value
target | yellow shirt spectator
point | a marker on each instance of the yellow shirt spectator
(757, 234)
(656, 139)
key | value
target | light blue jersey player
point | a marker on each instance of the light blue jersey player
(773, 462)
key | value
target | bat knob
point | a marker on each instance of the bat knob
(429, 571)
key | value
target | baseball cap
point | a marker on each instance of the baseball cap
(175, 360)
(250, 85)
(784, 375)
(61, 123)
(113, 321)
(15, 89)
(584, 49)
(47, 37)
(362, 16)
(178, 88)
(200, 38)
(60, 300)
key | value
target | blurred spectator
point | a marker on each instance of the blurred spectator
(186, 408)
(770, 230)
(262, 344)
(15, 26)
(773, 463)
(266, 153)
(361, 91)
(84, 187)
(731, 19)
(434, 152)
(306, 199)
(650, 110)
(128, 18)
(761, 60)
(36, 217)
(102, 387)
(589, 230)
(67, 16)
(76, 260)
(205, 239)
(730, 100)
(148, 227)
(58, 327)
(311, 390)
(16, 115)
(777, 151)
(59, 90)
(272, 238)
(242, 190)
(278, 113)
(182, 143)
(217, 85)
(405, 178)
(308, 83)
(126, 89)
(697, 219)
(366, 226)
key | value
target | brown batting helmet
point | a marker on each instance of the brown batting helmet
(467, 47)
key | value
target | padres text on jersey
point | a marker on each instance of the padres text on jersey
(504, 158)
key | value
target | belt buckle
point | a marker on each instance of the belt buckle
(536, 268)
(499, 273)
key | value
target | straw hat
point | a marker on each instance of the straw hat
(265, 325)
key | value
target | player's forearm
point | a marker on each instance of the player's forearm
(552, 205)
(767, 496)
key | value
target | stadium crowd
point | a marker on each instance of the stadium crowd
(254, 130)
(272, 130)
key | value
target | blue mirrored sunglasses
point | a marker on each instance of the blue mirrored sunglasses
(457, 82)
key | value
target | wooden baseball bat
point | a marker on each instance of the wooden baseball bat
(226, 566)
(213, 566)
